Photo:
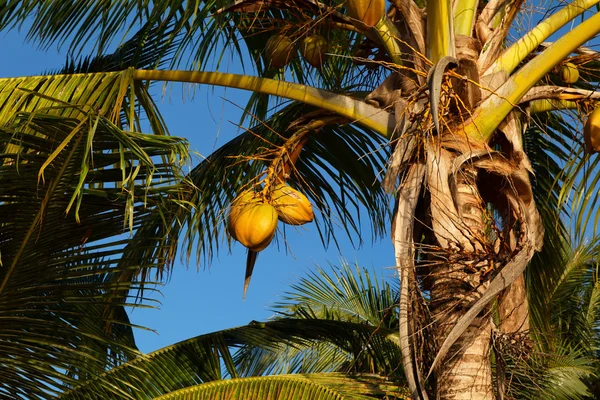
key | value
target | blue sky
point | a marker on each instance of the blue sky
(198, 299)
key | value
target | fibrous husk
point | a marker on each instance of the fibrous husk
(252, 222)
(279, 51)
(591, 132)
(313, 49)
(292, 207)
(365, 14)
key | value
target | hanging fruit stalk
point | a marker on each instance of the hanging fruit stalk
(591, 132)
(279, 51)
(569, 73)
(252, 221)
(365, 14)
(313, 49)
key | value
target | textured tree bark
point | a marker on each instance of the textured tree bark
(513, 308)
(466, 372)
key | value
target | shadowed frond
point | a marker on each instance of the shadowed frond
(559, 376)
(548, 151)
(64, 236)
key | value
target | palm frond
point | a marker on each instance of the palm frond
(301, 387)
(71, 191)
(348, 294)
(546, 143)
(74, 185)
(193, 35)
(148, 48)
(210, 357)
(559, 376)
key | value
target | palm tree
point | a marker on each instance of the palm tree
(461, 114)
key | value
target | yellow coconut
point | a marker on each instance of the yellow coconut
(591, 132)
(252, 222)
(569, 73)
(365, 14)
(279, 51)
(313, 49)
(292, 207)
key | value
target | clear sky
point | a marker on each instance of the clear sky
(198, 299)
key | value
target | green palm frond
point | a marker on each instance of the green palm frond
(193, 36)
(211, 357)
(559, 376)
(301, 387)
(547, 146)
(75, 184)
(72, 189)
(575, 300)
(349, 293)
(344, 294)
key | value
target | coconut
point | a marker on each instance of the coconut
(365, 14)
(591, 132)
(279, 51)
(252, 222)
(569, 73)
(313, 49)
(292, 207)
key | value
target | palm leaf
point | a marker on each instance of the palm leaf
(546, 144)
(73, 183)
(559, 376)
(194, 35)
(301, 387)
(209, 357)
(348, 294)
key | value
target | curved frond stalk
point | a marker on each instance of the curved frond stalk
(544, 105)
(356, 111)
(300, 387)
(389, 36)
(440, 30)
(519, 50)
(464, 16)
(497, 106)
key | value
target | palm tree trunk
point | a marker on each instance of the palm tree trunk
(466, 372)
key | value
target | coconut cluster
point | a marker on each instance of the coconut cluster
(253, 219)
(280, 50)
